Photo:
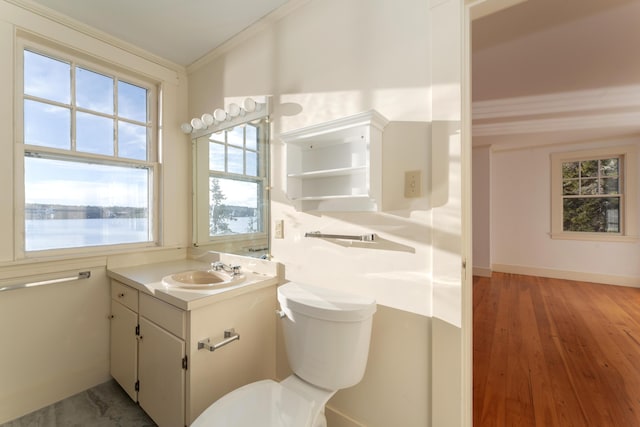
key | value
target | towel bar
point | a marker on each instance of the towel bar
(361, 238)
(230, 335)
(81, 275)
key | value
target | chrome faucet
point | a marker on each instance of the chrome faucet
(234, 270)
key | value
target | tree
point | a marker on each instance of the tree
(219, 213)
(599, 214)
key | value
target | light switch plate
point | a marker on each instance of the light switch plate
(278, 232)
(412, 186)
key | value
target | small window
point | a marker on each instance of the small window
(89, 156)
(594, 194)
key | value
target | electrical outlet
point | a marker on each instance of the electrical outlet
(278, 232)
(412, 181)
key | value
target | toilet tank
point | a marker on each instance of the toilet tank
(326, 333)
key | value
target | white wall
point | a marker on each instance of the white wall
(482, 211)
(329, 59)
(520, 223)
(55, 338)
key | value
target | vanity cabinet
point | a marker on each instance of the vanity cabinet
(155, 355)
(337, 165)
(148, 353)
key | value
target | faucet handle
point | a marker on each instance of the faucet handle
(235, 269)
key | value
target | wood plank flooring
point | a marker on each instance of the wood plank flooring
(550, 352)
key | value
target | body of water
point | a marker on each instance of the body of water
(42, 234)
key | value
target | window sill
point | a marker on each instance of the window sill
(232, 238)
(594, 237)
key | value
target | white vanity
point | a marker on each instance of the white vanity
(156, 329)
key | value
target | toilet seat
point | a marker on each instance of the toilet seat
(264, 403)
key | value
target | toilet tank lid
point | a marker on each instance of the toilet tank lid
(324, 303)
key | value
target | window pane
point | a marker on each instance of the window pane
(94, 91)
(132, 102)
(251, 137)
(609, 167)
(589, 168)
(589, 186)
(252, 163)
(236, 137)
(570, 170)
(235, 160)
(47, 78)
(596, 215)
(73, 204)
(94, 134)
(610, 186)
(216, 157)
(132, 141)
(570, 187)
(234, 207)
(47, 125)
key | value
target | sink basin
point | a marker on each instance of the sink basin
(201, 279)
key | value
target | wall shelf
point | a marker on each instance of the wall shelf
(337, 165)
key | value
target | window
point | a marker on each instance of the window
(237, 181)
(594, 194)
(89, 157)
(231, 185)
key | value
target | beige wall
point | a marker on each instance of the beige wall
(55, 338)
(521, 222)
(329, 59)
(326, 60)
(547, 80)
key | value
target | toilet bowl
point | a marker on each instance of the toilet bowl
(267, 403)
(326, 335)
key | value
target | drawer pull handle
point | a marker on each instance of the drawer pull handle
(121, 295)
(230, 335)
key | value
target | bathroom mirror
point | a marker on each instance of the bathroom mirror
(231, 189)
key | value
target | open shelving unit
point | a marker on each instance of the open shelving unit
(337, 165)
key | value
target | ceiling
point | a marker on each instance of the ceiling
(566, 68)
(178, 31)
(551, 71)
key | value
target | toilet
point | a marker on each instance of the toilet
(326, 335)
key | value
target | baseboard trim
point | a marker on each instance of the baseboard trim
(606, 279)
(336, 418)
(482, 271)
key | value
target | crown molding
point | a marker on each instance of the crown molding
(90, 31)
(559, 124)
(564, 102)
(609, 107)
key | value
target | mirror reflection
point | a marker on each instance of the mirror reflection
(231, 189)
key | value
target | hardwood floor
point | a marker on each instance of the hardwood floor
(550, 352)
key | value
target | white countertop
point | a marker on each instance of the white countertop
(147, 278)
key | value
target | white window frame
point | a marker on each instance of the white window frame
(84, 61)
(628, 194)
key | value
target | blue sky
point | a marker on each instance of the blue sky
(49, 124)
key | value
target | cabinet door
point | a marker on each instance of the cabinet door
(161, 376)
(124, 348)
